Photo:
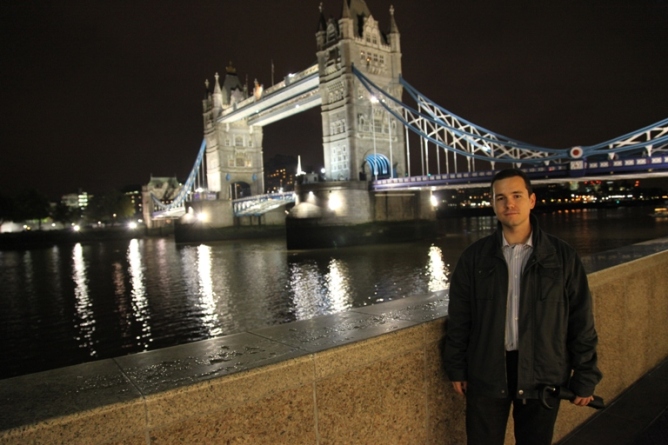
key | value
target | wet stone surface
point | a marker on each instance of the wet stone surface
(170, 368)
(325, 332)
(420, 309)
(36, 397)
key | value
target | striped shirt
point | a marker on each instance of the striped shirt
(516, 256)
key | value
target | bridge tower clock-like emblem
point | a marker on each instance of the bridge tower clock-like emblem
(358, 134)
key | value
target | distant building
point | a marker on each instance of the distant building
(134, 192)
(280, 173)
(165, 189)
(76, 200)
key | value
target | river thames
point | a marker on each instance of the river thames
(71, 304)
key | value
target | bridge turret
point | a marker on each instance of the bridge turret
(346, 22)
(233, 149)
(321, 33)
(217, 95)
(207, 105)
(394, 35)
(358, 135)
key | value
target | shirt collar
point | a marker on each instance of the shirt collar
(529, 242)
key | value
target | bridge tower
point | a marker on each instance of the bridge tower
(360, 139)
(233, 150)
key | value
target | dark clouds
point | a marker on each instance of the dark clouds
(99, 95)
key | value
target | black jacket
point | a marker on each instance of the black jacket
(557, 338)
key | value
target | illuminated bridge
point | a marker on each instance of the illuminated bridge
(463, 154)
(358, 85)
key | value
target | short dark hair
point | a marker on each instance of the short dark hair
(511, 173)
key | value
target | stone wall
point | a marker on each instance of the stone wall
(371, 375)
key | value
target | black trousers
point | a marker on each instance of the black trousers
(487, 417)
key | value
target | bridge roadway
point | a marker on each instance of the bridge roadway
(635, 168)
(294, 94)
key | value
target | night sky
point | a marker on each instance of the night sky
(98, 95)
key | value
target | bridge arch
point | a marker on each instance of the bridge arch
(379, 167)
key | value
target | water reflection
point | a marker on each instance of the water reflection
(28, 270)
(436, 270)
(306, 287)
(64, 306)
(83, 305)
(338, 285)
(317, 292)
(138, 292)
(207, 296)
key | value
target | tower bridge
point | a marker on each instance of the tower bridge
(358, 84)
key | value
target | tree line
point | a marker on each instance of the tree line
(30, 205)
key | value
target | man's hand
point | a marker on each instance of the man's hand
(460, 387)
(582, 401)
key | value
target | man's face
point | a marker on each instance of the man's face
(512, 202)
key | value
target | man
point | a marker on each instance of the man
(520, 316)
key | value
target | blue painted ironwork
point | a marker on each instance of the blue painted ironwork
(188, 187)
(572, 171)
(260, 204)
(454, 134)
(379, 163)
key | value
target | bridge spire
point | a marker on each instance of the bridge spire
(217, 94)
(322, 22)
(393, 24)
(345, 12)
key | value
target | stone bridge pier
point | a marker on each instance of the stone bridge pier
(347, 213)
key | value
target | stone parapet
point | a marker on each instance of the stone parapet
(369, 375)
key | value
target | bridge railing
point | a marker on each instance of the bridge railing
(260, 204)
(570, 171)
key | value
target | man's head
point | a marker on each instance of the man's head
(513, 199)
(509, 173)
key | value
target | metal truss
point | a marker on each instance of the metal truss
(434, 124)
(187, 188)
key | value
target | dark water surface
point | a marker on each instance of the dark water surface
(71, 304)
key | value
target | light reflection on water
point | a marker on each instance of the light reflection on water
(436, 270)
(140, 308)
(69, 304)
(83, 306)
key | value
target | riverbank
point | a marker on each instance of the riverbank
(34, 239)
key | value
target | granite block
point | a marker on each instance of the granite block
(350, 357)
(381, 403)
(286, 417)
(445, 408)
(120, 422)
(229, 391)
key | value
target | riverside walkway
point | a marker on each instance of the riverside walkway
(368, 375)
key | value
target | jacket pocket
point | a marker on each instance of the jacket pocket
(551, 285)
(486, 283)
